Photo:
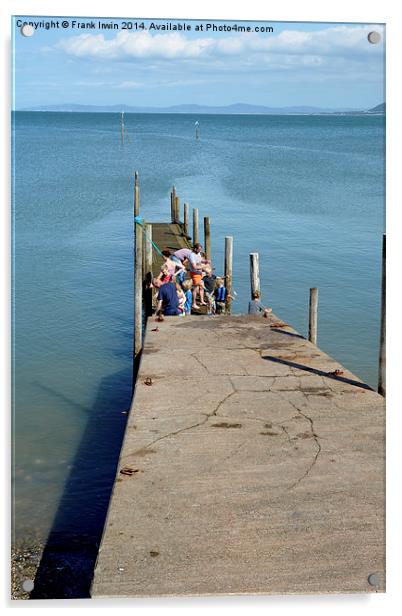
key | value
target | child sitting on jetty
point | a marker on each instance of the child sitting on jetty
(182, 299)
(187, 286)
(209, 281)
(255, 306)
(220, 295)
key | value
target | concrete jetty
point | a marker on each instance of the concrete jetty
(253, 463)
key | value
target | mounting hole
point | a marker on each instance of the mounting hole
(374, 37)
(27, 585)
(374, 579)
(27, 30)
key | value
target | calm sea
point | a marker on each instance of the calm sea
(306, 192)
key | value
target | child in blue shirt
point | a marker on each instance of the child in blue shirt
(187, 286)
(221, 295)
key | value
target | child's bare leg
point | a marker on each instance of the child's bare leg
(194, 291)
(202, 302)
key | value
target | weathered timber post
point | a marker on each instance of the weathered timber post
(147, 272)
(196, 238)
(172, 204)
(122, 128)
(136, 195)
(138, 280)
(313, 316)
(177, 210)
(382, 354)
(228, 272)
(207, 237)
(254, 273)
(185, 220)
(144, 248)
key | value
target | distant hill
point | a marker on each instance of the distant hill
(378, 109)
(236, 108)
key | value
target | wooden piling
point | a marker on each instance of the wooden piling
(207, 237)
(147, 272)
(254, 273)
(138, 277)
(228, 272)
(122, 128)
(148, 248)
(313, 315)
(382, 354)
(185, 220)
(144, 248)
(172, 204)
(177, 210)
(196, 238)
(136, 195)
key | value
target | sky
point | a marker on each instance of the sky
(315, 64)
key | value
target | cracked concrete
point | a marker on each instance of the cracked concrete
(261, 472)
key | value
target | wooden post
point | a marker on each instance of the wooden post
(172, 204)
(196, 238)
(148, 248)
(136, 195)
(382, 355)
(228, 271)
(254, 273)
(313, 316)
(138, 279)
(207, 237)
(185, 220)
(147, 273)
(144, 248)
(177, 210)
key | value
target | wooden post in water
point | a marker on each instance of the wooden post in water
(122, 128)
(185, 220)
(313, 316)
(138, 278)
(196, 238)
(228, 272)
(382, 355)
(136, 195)
(172, 204)
(254, 273)
(147, 273)
(177, 210)
(207, 237)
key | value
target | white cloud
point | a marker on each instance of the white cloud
(128, 85)
(290, 47)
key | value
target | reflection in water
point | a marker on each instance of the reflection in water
(69, 557)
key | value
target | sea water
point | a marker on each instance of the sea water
(305, 192)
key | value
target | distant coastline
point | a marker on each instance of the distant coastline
(235, 109)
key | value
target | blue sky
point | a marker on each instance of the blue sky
(324, 65)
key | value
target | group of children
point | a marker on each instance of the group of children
(203, 288)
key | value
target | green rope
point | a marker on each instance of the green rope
(140, 221)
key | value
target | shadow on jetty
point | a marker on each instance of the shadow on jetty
(329, 375)
(68, 560)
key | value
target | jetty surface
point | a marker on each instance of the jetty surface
(253, 463)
